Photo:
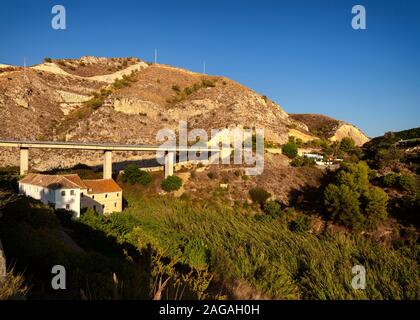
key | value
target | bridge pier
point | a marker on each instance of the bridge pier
(107, 169)
(24, 161)
(169, 163)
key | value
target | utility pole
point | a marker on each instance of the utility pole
(204, 67)
(155, 56)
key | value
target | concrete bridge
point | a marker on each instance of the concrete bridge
(107, 149)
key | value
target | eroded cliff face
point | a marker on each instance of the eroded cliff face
(348, 130)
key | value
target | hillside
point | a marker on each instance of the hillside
(127, 100)
(325, 127)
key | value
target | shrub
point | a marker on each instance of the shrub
(211, 175)
(62, 63)
(300, 224)
(376, 203)
(132, 174)
(273, 209)
(207, 83)
(290, 149)
(407, 182)
(390, 180)
(352, 201)
(302, 161)
(171, 183)
(176, 88)
(347, 144)
(259, 195)
(47, 60)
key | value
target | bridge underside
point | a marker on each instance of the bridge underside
(107, 163)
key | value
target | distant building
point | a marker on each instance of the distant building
(71, 193)
(316, 157)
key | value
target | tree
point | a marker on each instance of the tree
(353, 201)
(344, 205)
(290, 149)
(132, 174)
(171, 183)
(347, 144)
(375, 210)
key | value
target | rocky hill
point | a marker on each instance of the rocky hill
(320, 126)
(127, 100)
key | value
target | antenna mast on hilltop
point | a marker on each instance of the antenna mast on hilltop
(204, 67)
(24, 69)
(155, 56)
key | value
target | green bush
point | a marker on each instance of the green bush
(47, 60)
(208, 83)
(259, 195)
(390, 180)
(344, 206)
(300, 224)
(171, 183)
(302, 161)
(375, 211)
(407, 182)
(290, 149)
(132, 174)
(353, 201)
(347, 144)
(273, 209)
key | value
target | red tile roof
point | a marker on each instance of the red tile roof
(51, 181)
(102, 186)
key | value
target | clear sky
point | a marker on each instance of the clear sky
(302, 54)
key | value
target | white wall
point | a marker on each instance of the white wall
(46, 196)
(72, 200)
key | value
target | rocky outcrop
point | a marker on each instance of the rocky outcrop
(348, 130)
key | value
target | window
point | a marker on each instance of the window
(118, 194)
(63, 193)
(72, 192)
(93, 197)
(106, 196)
(81, 194)
(115, 204)
(67, 206)
(103, 206)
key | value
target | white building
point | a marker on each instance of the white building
(71, 193)
(61, 191)
(316, 157)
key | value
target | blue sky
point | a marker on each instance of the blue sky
(302, 54)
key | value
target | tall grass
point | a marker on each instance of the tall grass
(269, 256)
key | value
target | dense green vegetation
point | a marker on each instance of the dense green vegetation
(352, 201)
(384, 151)
(171, 183)
(290, 149)
(167, 247)
(265, 253)
(132, 174)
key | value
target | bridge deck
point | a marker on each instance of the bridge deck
(98, 146)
